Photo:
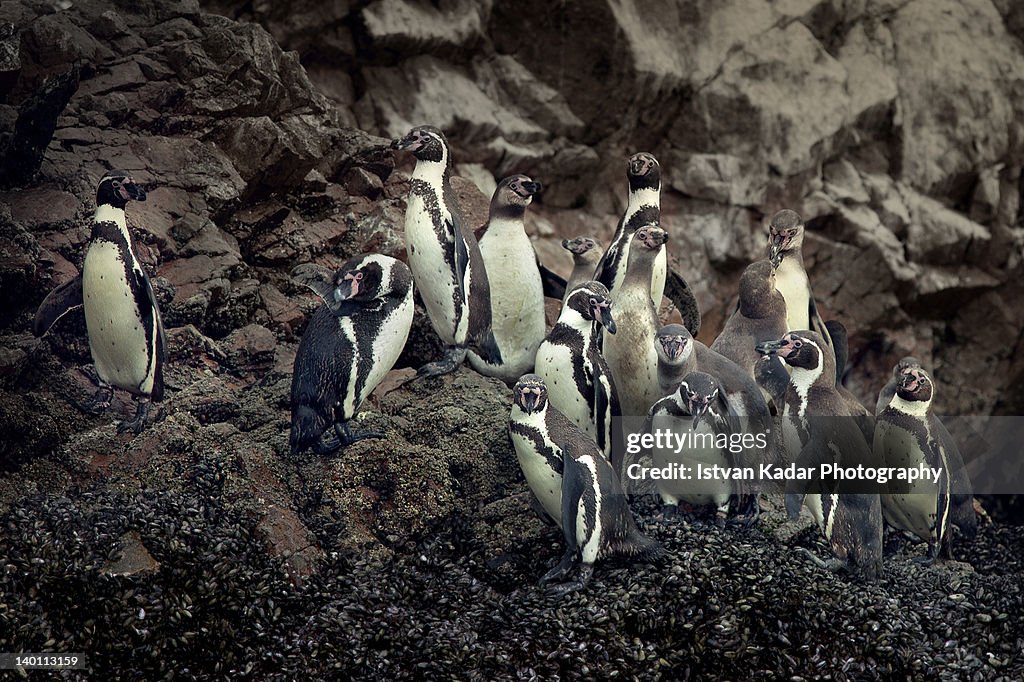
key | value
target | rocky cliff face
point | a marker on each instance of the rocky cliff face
(895, 128)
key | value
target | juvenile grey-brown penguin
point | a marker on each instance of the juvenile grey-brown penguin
(630, 351)
(760, 316)
(586, 252)
(126, 335)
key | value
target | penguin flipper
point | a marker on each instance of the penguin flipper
(817, 324)
(149, 309)
(317, 278)
(679, 292)
(840, 347)
(554, 284)
(58, 303)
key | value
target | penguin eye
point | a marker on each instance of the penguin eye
(116, 184)
(359, 275)
(797, 344)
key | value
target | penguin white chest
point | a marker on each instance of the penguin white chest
(555, 364)
(517, 299)
(117, 335)
(914, 509)
(544, 481)
(388, 343)
(791, 281)
(434, 276)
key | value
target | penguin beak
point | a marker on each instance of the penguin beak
(410, 142)
(135, 192)
(768, 347)
(776, 245)
(604, 314)
(531, 188)
(698, 406)
(637, 167)
(346, 289)
(529, 400)
(673, 348)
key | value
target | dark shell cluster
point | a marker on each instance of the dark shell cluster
(731, 604)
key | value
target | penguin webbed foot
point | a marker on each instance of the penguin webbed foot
(99, 402)
(568, 587)
(834, 565)
(330, 444)
(449, 362)
(747, 511)
(560, 570)
(931, 557)
(139, 422)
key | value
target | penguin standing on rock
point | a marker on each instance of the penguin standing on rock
(701, 401)
(586, 252)
(126, 335)
(785, 251)
(630, 351)
(518, 282)
(579, 383)
(643, 207)
(817, 430)
(594, 515)
(350, 343)
(680, 354)
(444, 256)
(909, 434)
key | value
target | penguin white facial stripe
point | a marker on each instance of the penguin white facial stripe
(804, 379)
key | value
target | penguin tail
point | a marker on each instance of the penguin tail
(307, 427)
(487, 348)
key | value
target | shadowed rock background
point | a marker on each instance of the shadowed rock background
(895, 128)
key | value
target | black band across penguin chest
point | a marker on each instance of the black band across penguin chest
(447, 235)
(533, 434)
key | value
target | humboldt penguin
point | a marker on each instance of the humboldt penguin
(517, 281)
(760, 316)
(630, 351)
(909, 434)
(785, 251)
(579, 383)
(586, 252)
(643, 207)
(593, 512)
(350, 343)
(126, 335)
(889, 390)
(699, 407)
(817, 430)
(679, 354)
(444, 256)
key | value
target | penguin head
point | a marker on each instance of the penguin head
(513, 195)
(117, 188)
(359, 279)
(803, 350)
(591, 301)
(650, 237)
(785, 233)
(427, 143)
(797, 349)
(697, 392)
(530, 394)
(909, 362)
(915, 385)
(643, 171)
(579, 245)
(757, 290)
(674, 344)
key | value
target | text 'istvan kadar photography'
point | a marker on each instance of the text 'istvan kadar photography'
(451, 340)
